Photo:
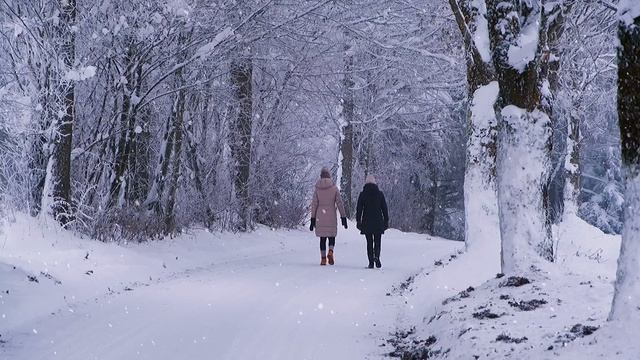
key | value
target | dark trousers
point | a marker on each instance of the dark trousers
(323, 243)
(373, 246)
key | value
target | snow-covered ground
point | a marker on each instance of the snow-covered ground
(263, 295)
(559, 311)
(207, 295)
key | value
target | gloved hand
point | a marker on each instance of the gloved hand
(313, 224)
(344, 222)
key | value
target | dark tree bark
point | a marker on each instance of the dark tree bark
(127, 128)
(626, 300)
(178, 123)
(57, 187)
(194, 162)
(433, 192)
(628, 94)
(139, 159)
(346, 136)
(156, 191)
(554, 20)
(479, 71)
(240, 136)
(518, 87)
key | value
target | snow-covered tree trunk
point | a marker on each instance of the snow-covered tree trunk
(482, 226)
(177, 115)
(240, 136)
(192, 152)
(626, 300)
(572, 167)
(346, 133)
(178, 123)
(127, 124)
(139, 161)
(158, 181)
(523, 161)
(554, 15)
(524, 135)
(56, 198)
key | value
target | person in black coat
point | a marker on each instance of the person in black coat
(372, 219)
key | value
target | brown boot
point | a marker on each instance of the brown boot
(323, 261)
(330, 257)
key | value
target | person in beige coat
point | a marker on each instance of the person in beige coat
(326, 198)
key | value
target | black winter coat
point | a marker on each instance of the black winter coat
(372, 214)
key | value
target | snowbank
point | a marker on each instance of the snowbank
(539, 317)
(44, 268)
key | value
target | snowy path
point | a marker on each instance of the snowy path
(258, 302)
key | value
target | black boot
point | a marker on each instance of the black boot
(370, 251)
(376, 250)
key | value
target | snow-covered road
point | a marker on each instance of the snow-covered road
(266, 299)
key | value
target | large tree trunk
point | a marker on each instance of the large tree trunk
(626, 300)
(554, 22)
(523, 156)
(139, 159)
(117, 192)
(194, 160)
(178, 121)
(346, 135)
(240, 137)
(154, 197)
(482, 225)
(56, 199)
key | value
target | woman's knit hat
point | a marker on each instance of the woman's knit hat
(325, 173)
(370, 179)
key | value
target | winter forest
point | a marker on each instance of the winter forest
(160, 170)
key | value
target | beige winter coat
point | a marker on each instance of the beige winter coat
(326, 198)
